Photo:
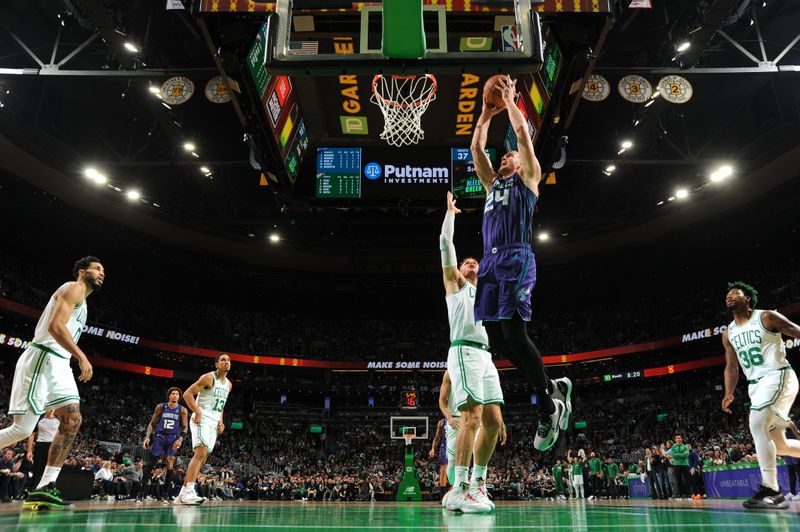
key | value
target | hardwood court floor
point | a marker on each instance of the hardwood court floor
(589, 516)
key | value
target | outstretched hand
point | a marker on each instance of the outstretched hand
(451, 204)
(508, 90)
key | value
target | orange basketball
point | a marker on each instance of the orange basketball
(492, 95)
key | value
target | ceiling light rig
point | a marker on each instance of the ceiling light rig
(721, 173)
(132, 194)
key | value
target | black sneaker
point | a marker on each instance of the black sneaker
(46, 498)
(766, 499)
(548, 431)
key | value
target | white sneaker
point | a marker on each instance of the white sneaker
(190, 498)
(446, 496)
(562, 390)
(461, 500)
(548, 431)
(590, 498)
(481, 495)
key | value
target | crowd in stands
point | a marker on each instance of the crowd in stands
(632, 426)
(557, 331)
(275, 457)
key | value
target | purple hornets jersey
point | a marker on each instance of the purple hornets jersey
(170, 421)
(508, 213)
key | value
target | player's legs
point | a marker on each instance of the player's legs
(196, 463)
(451, 435)
(69, 417)
(23, 426)
(530, 360)
(486, 441)
(170, 480)
(768, 496)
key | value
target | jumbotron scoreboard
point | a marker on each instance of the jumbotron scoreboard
(388, 173)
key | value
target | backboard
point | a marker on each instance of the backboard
(494, 37)
(399, 425)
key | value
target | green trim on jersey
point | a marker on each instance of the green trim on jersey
(754, 381)
(774, 397)
(469, 343)
(34, 382)
(48, 350)
(761, 324)
(63, 401)
(463, 372)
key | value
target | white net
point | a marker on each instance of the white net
(403, 100)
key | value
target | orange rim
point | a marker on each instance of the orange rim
(391, 103)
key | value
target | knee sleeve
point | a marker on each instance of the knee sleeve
(22, 427)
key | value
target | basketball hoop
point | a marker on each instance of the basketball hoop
(408, 437)
(403, 100)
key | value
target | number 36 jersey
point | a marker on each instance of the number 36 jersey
(212, 400)
(759, 351)
(508, 213)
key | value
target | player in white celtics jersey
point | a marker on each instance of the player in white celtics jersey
(473, 376)
(43, 378)
(452, 418)
(753, 340)
(211, 391)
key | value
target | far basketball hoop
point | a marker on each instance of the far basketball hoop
(403, 100)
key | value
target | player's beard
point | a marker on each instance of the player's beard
(93, 283)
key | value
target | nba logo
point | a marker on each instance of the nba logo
(373, 171)
(511, 38)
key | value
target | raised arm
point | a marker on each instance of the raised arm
(152, 425)
(531, 171)
(67, 298)
(483, 166)
(731, 373)
(453, 280)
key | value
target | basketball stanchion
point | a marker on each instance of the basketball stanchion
(409, 488)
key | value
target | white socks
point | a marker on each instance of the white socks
(462, 475)
(478, 474)
(50, 475)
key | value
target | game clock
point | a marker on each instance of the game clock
(408, 399)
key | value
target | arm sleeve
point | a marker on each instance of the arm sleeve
(446, 241)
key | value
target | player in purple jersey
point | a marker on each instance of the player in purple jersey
(440, 440)
(508, 267)
(170, 422)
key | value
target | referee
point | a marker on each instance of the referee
(45, 432)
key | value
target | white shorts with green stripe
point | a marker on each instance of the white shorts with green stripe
(42, 380)
(203, 433)
(473, 376)
(776, 391)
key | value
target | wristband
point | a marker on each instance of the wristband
(183, 435)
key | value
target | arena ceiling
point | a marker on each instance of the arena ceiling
(96, 111)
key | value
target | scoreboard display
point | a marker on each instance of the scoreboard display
(339, 172)
(390, 173)
(466, 183)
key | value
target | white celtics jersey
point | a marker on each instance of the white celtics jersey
(212, 400)
(759, 351)
(75, 325)
(460, 311)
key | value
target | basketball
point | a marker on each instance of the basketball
(492, 95)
